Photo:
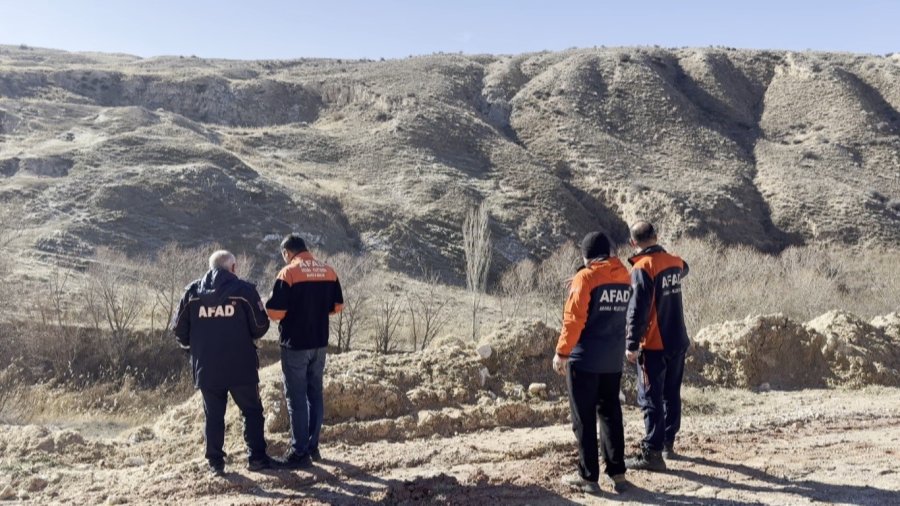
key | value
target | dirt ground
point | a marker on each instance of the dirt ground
(738, 447)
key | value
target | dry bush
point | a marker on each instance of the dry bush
(727, 283)
(387, 320)
(516, 290)
(353, 271)
(553, 280)
(10, 381)
(167, 276)
(428, 311)
(477, 248)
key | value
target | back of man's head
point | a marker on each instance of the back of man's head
(643, 233)
(293, 243)
(222, 259)
(596, 245)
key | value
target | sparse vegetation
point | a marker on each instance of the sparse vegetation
(477, 248)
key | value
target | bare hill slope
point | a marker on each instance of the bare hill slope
(762, 148)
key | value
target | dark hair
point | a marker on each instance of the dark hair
(596, 245)
(293, 243)
(643, 231)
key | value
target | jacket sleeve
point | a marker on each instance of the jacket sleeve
(638, 315)
(257, 319)
(574, 316)
(181, 324)
(338, 298)
(278, 303)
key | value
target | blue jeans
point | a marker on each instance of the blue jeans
(303, 372)
(659, 396)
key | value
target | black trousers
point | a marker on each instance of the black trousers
(593, 396)
(247, 399)
(659, 395)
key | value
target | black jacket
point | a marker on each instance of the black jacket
(218, 319)
(305, 293)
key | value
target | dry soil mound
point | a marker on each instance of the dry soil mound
(762, 350)
(858, 353)
(442, 390)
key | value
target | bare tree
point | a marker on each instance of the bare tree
(477, 248)
(168, 275)
(516, 286)
(353, 272)
(117, 291)
(555, 275)
(388, 318)
(428, 311)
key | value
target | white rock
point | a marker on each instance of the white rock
(485, 351)
(135, 461)
(483, 375)
(538, 390)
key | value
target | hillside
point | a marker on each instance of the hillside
(768, 149)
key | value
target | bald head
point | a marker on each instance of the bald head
(643, 234)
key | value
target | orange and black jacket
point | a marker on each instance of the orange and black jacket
(306, 292)
(593, 332)
(656, 311)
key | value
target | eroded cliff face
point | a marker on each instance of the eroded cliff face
(761, 148)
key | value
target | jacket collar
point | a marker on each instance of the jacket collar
(656, 248)
(216, 278)
(303, 255)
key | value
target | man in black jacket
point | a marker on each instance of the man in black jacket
(218, 320)
(305, 293)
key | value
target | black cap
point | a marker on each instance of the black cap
(596, 245)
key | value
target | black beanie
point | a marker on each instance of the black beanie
(595, 245)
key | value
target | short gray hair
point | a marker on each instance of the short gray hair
(222, 259)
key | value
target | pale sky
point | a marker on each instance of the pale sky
(398, 28)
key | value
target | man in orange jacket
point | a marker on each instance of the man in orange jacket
(589, 353)
(657, 341)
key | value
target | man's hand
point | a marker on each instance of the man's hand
(559, 364)
(632, 356)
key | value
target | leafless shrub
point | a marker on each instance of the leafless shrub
(428, 311)
(517, 286)
(554, 277)
(167, 276)
(727, 283)
(388, 319)
(477, 248)
(10, 381)
(353, 272)
(117, 294)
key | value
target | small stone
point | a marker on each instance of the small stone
(36, 484)
(538, 390)
(485, 351)
(7, 494)
(765, 387)
(135, 461)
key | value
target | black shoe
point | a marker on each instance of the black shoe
(668, 452)
(261, 464)
(315, 455)
(294, 461)
(648, 460)
(216, 467)
(618, 483)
